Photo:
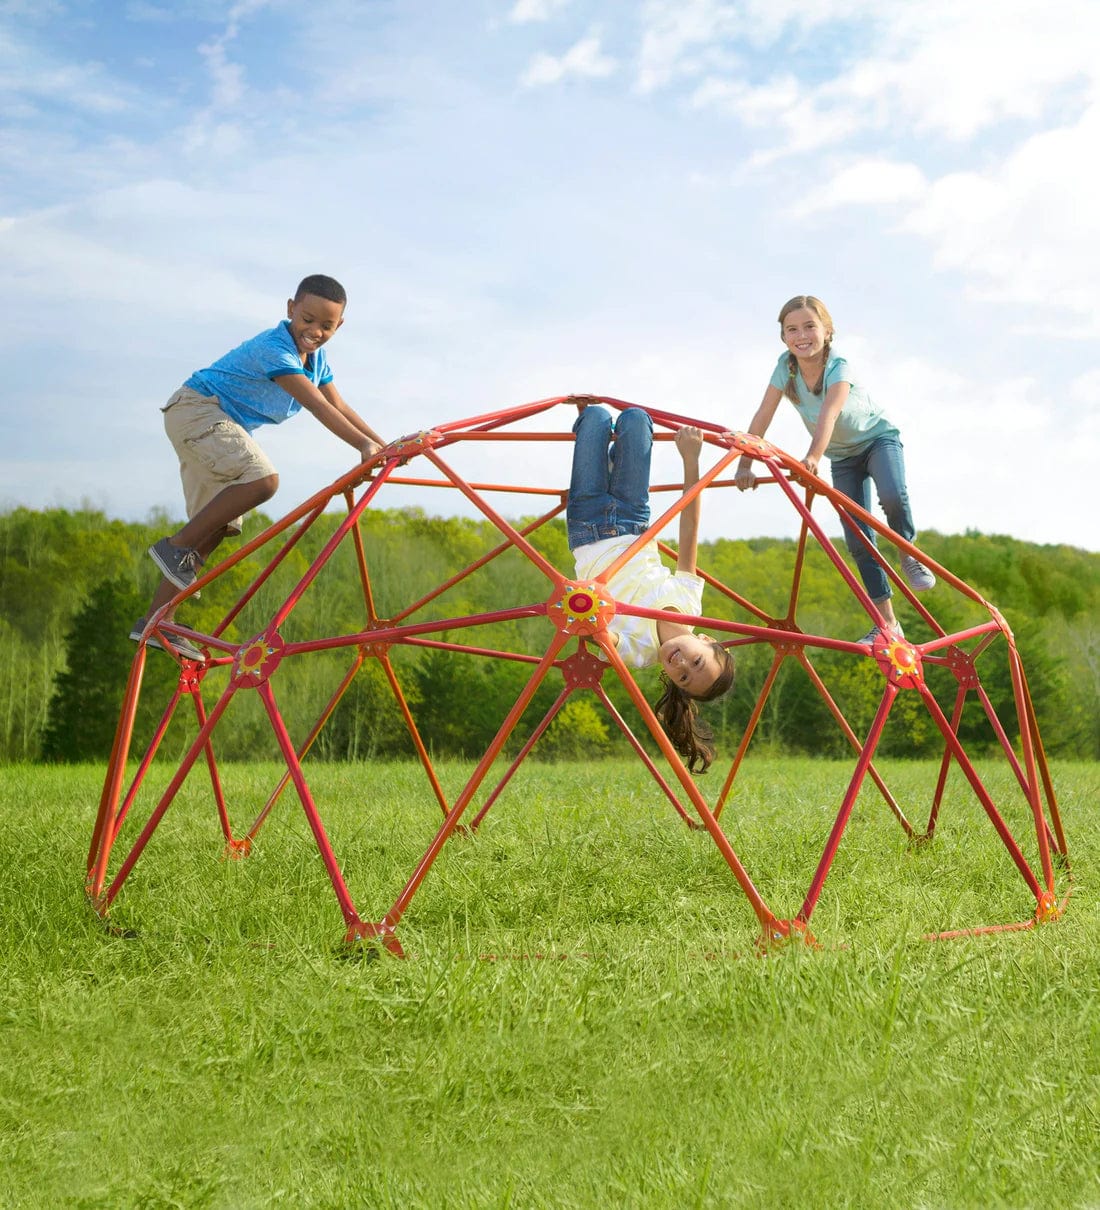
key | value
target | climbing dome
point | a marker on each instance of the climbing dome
(572, 651)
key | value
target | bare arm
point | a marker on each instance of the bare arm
(350, 414)
(689, 441)
(758, 426)
(327, 406)
(835, 399)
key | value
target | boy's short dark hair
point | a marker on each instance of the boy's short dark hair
(321, 286)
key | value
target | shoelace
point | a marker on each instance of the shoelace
(189, 561)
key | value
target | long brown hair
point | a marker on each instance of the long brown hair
(678, 714)
(809, 303)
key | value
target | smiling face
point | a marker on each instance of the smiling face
(692, 662)
(804, 334)
(313, 321)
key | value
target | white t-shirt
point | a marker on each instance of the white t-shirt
(643, 581)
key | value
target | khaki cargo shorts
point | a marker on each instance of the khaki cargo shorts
(214, 451)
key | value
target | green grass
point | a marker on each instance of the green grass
(580, 1022)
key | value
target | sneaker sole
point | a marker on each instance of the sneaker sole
(868, 639)
(154, 641)
(195, 655)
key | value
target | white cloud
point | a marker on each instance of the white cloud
(210, 131)
(226, 77)
(498, 248)
(584, 58)
(139, 251)
(890, 125)
(535, 10)
(32, 10)
(866, 182)
(679, 39)
(758, 106)
(940, 67)
(1018, 230)
(1085, 390)
(1001, 446)
(30, 78)
(960, 68)
(221, 140)
(802, 120)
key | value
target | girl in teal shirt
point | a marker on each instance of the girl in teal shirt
(848, 428)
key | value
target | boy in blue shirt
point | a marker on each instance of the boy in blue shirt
(210, 421)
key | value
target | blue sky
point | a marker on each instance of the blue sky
(531, 197)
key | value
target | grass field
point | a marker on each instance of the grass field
(581, 1021)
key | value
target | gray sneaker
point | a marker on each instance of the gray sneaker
(868, 639)
(180, 564)
(176, 645)
(919, 577)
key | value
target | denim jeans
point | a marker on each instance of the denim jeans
(609, 489)
(882, 462)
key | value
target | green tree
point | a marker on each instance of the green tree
(83, 712)
(51, 563)
(579, 732)
(367, 724)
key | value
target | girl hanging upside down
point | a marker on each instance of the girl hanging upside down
(608, 508)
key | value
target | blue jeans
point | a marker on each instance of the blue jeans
(609, 489)
(882, 461)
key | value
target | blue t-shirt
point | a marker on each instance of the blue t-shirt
(860, 422)
(246, 379)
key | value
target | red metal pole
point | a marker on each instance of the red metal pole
(197, 746)
(308, 805)
(862, 765)
(401, 903)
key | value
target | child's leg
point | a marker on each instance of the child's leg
(222, 513)
(850, 477)
(224, 471)
(225, 474)
(587, 507)
(886, 466)
(164, 592)
(220, 516)
(630, 458)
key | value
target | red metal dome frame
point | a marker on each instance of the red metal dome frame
(577, 614)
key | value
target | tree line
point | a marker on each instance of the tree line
(72, 582)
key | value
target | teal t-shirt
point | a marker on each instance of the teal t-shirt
(860, 422)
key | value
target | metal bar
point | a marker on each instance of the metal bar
(308, 805)
(534, 737)
(401, 903)
(197, 746)
(862, 765)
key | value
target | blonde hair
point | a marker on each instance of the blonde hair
(806, 302)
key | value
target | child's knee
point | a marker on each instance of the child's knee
(265, 488)
(854, 540)
(892, 502)
(632, 418)
(595, 416)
